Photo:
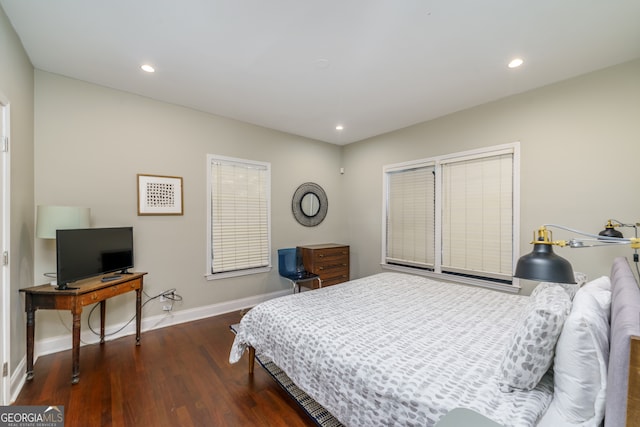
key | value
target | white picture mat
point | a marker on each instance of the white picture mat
(159, 195)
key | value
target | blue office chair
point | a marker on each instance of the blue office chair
(290, 267)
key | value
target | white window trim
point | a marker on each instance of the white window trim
(514, 148)
(224, 275)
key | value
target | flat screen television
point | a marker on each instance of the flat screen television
(88, 252)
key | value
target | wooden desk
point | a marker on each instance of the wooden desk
(89, 291)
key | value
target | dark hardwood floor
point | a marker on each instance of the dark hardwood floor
(178, 376)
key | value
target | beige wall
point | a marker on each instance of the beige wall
(580, 146)
(91, 142)
(16, 85)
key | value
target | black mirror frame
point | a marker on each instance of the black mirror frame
(296, 204)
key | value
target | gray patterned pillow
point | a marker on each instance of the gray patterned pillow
(532, 345)
(581, 278)
(569, 288)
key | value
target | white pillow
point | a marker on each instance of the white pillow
(580, 364)
(600, 288)
(531, 348)
(602, 283)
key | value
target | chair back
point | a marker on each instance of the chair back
(287, 261)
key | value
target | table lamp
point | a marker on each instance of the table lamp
(52, 218)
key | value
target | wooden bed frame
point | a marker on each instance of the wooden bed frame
(633, 391)
(633, 396)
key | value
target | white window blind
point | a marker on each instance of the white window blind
(477, 216)
(411, 216)
(454, 215)
(240, 235)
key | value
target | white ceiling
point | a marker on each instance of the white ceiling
(304, 66)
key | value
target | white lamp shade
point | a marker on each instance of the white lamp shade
(52, 218)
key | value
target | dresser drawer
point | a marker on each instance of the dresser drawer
(331, 255)
(332, 267)
(104, 293)
(334, 280)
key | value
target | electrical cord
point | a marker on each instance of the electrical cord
(67, 328)
(169, 295)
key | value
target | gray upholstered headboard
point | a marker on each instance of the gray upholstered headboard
(625, 323)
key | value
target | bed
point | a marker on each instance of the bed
(398, 349)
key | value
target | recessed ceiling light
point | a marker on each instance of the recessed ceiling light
(148, 68)
(339, 127)
(516, 62)
(322, 63)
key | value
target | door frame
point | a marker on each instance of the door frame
(5, 263)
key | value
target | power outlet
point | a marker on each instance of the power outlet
(163, 298)
(166, 307)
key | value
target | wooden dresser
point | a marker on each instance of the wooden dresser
(328, 260)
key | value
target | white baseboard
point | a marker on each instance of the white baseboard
(18, 378)
(63, 342)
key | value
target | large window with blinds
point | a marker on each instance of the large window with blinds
(454, 215)
(238, 196)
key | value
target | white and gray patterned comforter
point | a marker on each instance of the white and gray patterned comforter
(395, 349)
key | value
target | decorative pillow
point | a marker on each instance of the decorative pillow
(569, 288)
(580, 364)
(531, 348)
(581, 278)
(600, 288)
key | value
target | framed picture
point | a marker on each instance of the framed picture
(159, 195)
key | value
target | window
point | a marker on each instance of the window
(454, 215)
(239, 217)
(411, 216)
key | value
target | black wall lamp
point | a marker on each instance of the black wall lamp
(542, 264)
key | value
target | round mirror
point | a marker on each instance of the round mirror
(309, 204)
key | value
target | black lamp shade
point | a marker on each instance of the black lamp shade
(610, 232)
(545, 266)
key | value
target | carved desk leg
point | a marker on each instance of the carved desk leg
(103, 312)
(138, 313)
(76, 345)
(31, 324)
